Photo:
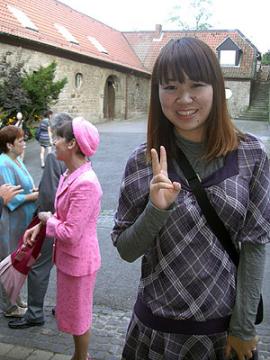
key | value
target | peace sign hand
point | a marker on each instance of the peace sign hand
(163, 192)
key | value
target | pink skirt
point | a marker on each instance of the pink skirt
(74, 302)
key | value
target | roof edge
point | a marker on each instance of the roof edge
(51, 49)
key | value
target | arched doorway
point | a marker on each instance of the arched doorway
(109, 98)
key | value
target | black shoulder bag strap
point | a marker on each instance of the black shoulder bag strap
(214, 221)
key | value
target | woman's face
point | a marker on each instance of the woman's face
(17, 147)
(187, 106)
(61, 148)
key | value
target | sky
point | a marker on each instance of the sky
(250, 17)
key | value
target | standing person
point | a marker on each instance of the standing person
(19, 123)
(189, 304)
(73, 225)
(45, 136)
(17, 213)
(38, 278)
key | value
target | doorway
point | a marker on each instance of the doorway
(109, 98)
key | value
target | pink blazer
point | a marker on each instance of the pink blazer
(74, 224)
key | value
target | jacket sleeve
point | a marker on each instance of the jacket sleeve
(256, 228)
(83, 204)
(253, 235)
(7, 177)
(1, 205)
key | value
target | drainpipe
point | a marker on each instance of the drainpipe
(269, 106)
(126, 98)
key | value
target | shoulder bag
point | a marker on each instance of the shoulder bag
(212, 217)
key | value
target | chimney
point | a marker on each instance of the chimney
(158, 29)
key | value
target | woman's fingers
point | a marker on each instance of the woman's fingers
(155, 162)
(176, 186)
(30, 235)
(243, 348)
(163, 160)
(159, 164)
(27, 236)
(163, 192)
(162, 185)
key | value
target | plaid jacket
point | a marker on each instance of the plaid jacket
(186, 273)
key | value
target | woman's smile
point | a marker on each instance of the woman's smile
(187, 106)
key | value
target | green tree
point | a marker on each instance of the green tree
(266, 58)
(42, 90)
(12, 95)
(193, 15)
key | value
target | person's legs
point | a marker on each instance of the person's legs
(20, 302)
(7, 308)
(37, 284)
(81, 343)
(38, 281)
(42, 156)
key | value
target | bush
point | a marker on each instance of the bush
(30, 93)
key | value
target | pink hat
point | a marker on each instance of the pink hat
(86, 135)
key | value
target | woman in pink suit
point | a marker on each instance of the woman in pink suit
(73, 225)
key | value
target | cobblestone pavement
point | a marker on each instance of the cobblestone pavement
(47, 343)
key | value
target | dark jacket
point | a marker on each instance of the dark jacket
(1, 205)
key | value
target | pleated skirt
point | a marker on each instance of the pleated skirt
(145, 343)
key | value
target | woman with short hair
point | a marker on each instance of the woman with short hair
(18, 212)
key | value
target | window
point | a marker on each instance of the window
(97, 44)
(66, 34)
(228, 93)
(227, 57)
(78, 80)
(229, 53)
(22, 18)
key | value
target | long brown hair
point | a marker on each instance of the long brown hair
(194, 58)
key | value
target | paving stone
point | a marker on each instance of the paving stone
(5, 349)
(40, 355)
(19, 352)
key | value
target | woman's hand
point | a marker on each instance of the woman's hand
(243, 348)
(7, 192)
(44, 216)
(163, 192)
(30, 235)
(32, 196)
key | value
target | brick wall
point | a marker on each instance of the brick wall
(240, 98)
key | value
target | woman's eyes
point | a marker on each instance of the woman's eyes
(199, 84)
(168, 87)
(175, 87)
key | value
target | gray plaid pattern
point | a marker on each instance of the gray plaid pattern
(186, 274)
(147, 344)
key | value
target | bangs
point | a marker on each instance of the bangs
(180, 58)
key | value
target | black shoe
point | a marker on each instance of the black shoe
(23, 324)
(53, 311)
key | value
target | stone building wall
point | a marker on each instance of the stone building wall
(95, 92)
(240, 98)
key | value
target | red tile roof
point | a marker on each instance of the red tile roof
(44, 14)
(132, 50)
(147, 47)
